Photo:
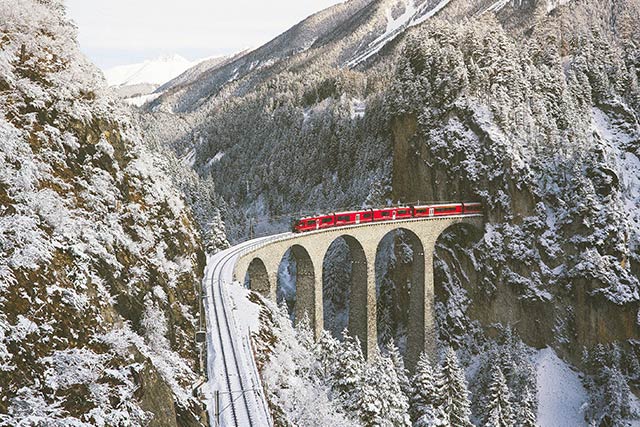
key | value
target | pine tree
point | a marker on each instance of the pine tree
(380, 401)
(327, 352)
(385, 320)
(499, 412)
(304, 334)
(216, 236)
(452, 391)
(526, 416)
(424, 398)
(401, 371)
(616, 396)
(348, 374)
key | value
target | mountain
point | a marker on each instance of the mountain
(101, 259)
(252, 66)
(531, 107)
(141, 82)
(346, 35)
(156, 71)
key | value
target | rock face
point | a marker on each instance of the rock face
(544, 129)
(100, 262)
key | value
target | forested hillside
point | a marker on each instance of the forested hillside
(530, 107)
(100, 258)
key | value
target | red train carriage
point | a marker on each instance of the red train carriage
(354, 217)
(438, 210)
(390, 214)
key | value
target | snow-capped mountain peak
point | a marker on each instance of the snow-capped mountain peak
(156, 71)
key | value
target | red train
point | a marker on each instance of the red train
(339, 219)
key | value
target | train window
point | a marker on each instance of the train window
(402, 212)
(384, 213)
(311, 222)
(343, 218)
(446, 209)
(326, 220)
(367, 215)
(421, 211)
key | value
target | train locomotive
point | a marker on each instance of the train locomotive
(339, 219)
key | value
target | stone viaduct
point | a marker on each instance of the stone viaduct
(309, 250)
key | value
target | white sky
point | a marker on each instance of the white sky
(116, 32)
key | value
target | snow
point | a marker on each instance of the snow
(139, 101)
(190, 158)
(430, 13)
(155, 71)
(394, 25)
(497, 6)
(246, 313)
(553, 4)
(561, 395)
(215, 159)
(412, 16)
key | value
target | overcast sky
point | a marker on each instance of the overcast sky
(116, 32)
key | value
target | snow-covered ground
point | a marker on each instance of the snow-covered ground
(561, 395)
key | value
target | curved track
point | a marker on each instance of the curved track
(231, 369)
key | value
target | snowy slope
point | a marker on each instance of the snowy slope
(412, 15)
(156, 71)
(561, 395)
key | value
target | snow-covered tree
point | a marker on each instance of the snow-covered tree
(515, 361)
(499, 413)
(616, 397)
(452, 391)
(526, 411)
(348, 371)
(216, 238)
(609, 392)
(380, 401)
(304, 333)
(424, 408)
(401, 371)
(327, 351)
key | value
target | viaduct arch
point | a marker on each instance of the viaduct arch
(309, 249)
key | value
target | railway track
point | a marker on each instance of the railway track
(241, 404)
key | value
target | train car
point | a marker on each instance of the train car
(305, 224)
(325, 221)
(353, 217)
(471, 208)
(437, 210)
(390, 214)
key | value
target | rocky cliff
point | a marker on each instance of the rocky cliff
(542, 126)
(100, 261)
